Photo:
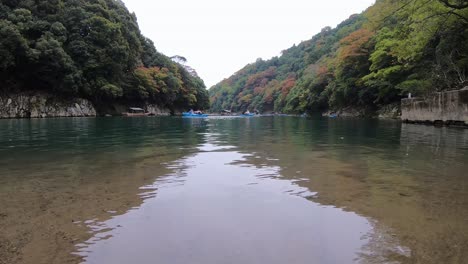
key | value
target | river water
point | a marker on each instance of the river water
(232, 190)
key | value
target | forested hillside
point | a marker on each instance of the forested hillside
(368, 61)
(92, 49)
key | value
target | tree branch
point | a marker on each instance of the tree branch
(458, 15)
(459, 4)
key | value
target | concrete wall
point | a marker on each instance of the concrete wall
(442, 108)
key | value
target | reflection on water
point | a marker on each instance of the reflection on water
(232, 190)
(56, 173)
(218, 208)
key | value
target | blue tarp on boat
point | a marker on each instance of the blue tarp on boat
(188, 114)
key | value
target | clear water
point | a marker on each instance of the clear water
(233, 190)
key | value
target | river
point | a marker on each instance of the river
(232, 190)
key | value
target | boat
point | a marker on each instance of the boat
(194, 115)
(135, 111)
(226, 113)
(247, 115)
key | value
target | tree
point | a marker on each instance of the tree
(367, 61)
(92, 49)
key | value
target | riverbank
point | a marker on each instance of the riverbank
(391, 111)
(44, 105)
(448, 108)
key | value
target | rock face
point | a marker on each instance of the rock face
(442, 108)
(117, 109)
(391, 111)
(348, 112)
(157, 111)
(39, 105)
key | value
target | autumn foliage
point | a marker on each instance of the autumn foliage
(90, 49)
(368, 61)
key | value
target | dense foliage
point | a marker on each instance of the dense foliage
(92, 49)
(368, 61)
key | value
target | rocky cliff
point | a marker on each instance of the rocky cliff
(40, 105)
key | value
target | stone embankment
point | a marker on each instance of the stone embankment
(41, 105)
(445, 108)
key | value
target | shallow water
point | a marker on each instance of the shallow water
(232, 190)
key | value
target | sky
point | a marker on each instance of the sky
(219, 38)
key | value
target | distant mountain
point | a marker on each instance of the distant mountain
(367, 62)
(90, 49)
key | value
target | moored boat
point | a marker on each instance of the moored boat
(135, 111)
(189, 114)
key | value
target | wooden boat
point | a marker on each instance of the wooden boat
(135, 111)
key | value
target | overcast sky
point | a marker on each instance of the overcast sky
(218, 38)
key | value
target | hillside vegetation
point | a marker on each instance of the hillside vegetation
(92, 49)
(368, 61)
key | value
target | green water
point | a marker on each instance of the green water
(232, 190)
